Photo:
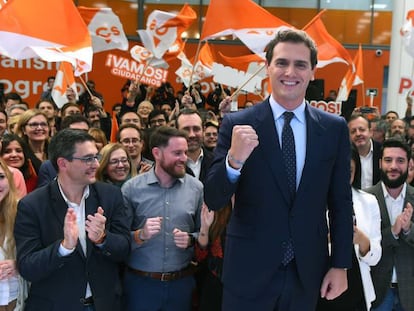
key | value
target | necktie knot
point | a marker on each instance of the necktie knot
(288, 116)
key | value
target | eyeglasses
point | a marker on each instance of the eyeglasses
(211, 134)
(34, 125)
(132, 121)
(127, 141)
(116, 162)
(157, 121)
(89, 160)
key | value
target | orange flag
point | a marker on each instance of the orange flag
(164, 29)
(241, 62)
(329, 50)
(114, 128)
(62, 36)
(223, 17)
(64, 79)
(352, 77)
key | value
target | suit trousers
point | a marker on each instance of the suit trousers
(284, 293)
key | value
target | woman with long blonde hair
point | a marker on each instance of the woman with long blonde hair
(9, 282)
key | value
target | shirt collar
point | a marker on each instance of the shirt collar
(278, 110)
(84, 196)
(400, 196)
(152, 178)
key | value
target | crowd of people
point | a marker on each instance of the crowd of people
(189, 206)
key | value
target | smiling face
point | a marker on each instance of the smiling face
(394, 167)
(79, 172)
(172, 159)
(118, 166)
(290, 71)
(13, 154)
(37, 128)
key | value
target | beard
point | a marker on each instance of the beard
(394, 183)
(172, 170)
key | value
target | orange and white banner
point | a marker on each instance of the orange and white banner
(224, 17)
(105, 29)
(23, 23)
(130, 69)
(329, 49)
(64, 79)
(190, 73)
(352, 77)
(164, 29)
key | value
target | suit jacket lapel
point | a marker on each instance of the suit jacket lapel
(60, 208)
(266, 130)
(385, 217)
(314, 131)
(91, 207)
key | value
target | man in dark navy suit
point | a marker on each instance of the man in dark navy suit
(276, 250)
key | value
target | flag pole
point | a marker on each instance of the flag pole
(195, 61)
(247, 81)
(147, 64)
(363, 95)
(86, 86)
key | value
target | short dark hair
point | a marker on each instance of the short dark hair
(188, 111)
(157, 112)
(73, 118)
(357, 115)
(394, 142)
(66, 106)
(63, 144)
(293, 36)
(129, 125)
(161, 136)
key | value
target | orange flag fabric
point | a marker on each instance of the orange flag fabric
(63, 80)
(164, 29)
(114, 128)
(62, 36)
(352, 77)
(223, 17)
(329, 49)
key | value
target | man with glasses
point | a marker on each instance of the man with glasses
(157, 118)
(210, 135)
(72, 234)
(46, 171)
(132, 138)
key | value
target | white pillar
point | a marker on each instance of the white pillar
(401, 70)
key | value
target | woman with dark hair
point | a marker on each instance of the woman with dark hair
(33, 128)
(367, 248)
(14, 152)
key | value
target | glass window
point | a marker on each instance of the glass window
(290, 3)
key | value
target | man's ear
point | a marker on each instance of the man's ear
(62, 162)
(156, 152)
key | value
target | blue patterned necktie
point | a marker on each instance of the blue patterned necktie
(289, 159)
(289, 153)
